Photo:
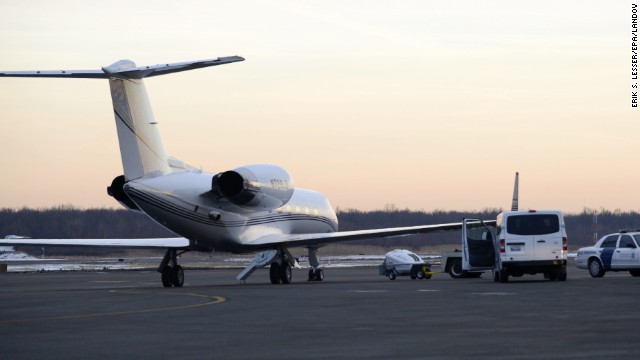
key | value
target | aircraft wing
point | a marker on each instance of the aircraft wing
(162, 243)
(295, 240)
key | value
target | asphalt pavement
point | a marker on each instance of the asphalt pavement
(353, 313)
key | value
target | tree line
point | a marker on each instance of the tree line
(70, 222)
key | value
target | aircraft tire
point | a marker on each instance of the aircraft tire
(177, 276)
(274, 273)
(166, 276)
(312, 275)
(285, 273)
(319, 275)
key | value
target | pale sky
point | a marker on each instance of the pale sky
(422, 104)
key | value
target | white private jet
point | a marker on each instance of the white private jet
(248, 209)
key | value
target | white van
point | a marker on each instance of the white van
(525, 242)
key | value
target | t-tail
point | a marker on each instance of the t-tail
(141, 148)
(514, 202)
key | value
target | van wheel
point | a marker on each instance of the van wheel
(504, 276)
(496, 276)
(392, 275)
(420, 274)
(562, 274)
(455, 270)
(634, 272)
(595, 268)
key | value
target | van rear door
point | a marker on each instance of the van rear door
(533, 236)
(478, 246)
(519, 238)
(547, 237)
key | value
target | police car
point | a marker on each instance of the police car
(614, 252)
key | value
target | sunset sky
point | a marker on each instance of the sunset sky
(421, 104)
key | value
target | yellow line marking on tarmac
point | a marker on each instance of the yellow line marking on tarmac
(214, 300)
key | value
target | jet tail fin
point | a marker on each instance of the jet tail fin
(514, 202)
(141, 148)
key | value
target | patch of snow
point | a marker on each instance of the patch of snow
(10, 254)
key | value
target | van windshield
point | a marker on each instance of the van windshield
(538, 224)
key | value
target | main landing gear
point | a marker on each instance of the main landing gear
(280, 262)
(280, 273)
(172, 273)
(315, 273)
(280, 268)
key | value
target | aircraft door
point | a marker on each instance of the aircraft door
(478, 246)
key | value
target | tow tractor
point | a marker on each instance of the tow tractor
(402, 262)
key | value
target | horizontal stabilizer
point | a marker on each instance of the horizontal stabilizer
(125, 69)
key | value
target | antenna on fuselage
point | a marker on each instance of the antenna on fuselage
(514, 202)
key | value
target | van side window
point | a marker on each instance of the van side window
(610, 241)
(536, 224)
(637, 238)
(626, 242)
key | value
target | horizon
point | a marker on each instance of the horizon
(424, 105)
(584, 211)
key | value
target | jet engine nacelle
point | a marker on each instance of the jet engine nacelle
(116, 191)
(262, 186)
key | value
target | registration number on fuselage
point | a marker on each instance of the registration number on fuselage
(279, 184)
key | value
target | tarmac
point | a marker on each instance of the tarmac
(353, 313)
